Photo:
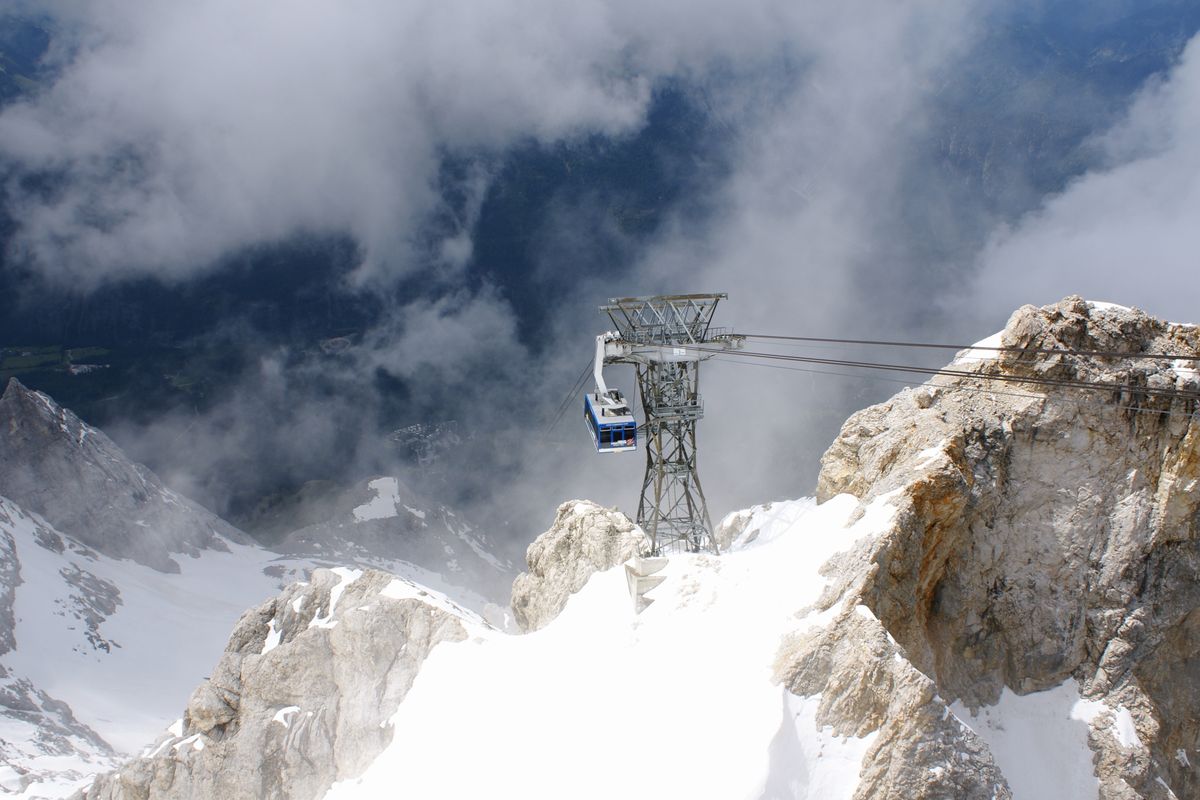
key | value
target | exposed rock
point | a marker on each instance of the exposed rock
(1041, 533)
(301, 697)
(584, 539)
(116, 506)
(10, 576)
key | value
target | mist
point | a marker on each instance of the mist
(822, 201)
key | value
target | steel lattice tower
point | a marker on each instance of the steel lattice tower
(666, 338)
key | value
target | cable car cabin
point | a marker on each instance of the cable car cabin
(611, 423)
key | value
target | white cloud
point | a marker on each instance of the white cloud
(183, 131)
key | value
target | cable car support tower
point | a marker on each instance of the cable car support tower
(665, 338)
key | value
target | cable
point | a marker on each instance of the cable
(1033, 379)
(566, 402)
(940, 386)
(1095, 353)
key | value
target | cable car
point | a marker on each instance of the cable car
(609, 420)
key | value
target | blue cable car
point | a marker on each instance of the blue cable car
(609, 420)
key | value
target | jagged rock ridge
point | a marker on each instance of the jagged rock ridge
(301, 697)
(115, 505)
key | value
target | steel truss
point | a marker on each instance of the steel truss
(666, 338)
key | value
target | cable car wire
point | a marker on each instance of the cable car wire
(997, 348)
(1027, 379)
(566, 402)
(957, 388)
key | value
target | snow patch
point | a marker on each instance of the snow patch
(983, 350)
(383, 505)
(346, 577)
(1039, 741)
(274, 637)
(1124, 729)
(828, 765)
(1100, 305)
(284, 715)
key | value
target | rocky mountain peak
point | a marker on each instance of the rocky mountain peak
(1044, 534)
(82, 483)
(584, 539)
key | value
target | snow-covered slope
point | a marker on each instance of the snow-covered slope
(107, 649)
(676, 702)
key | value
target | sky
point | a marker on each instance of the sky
(835, 202)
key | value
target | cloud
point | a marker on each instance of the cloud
(176, 133)
(1125, 232)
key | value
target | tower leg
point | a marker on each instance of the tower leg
(672, 509)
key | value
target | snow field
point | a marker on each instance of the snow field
(676, 702)
(167, 633)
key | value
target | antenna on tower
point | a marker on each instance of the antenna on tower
(665, 338)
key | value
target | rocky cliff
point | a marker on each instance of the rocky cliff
(584, 539)
(301, 697)
(1043, 534)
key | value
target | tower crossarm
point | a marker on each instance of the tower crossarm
(623, 351)
(664, 319)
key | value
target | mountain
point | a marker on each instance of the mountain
(995, 594)
(381, 521)
(115, 591)
(80, 481)
(98, 652)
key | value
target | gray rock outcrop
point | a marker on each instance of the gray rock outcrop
(584, 539)
(301, 697)
(1042, 533)
(74, 476)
